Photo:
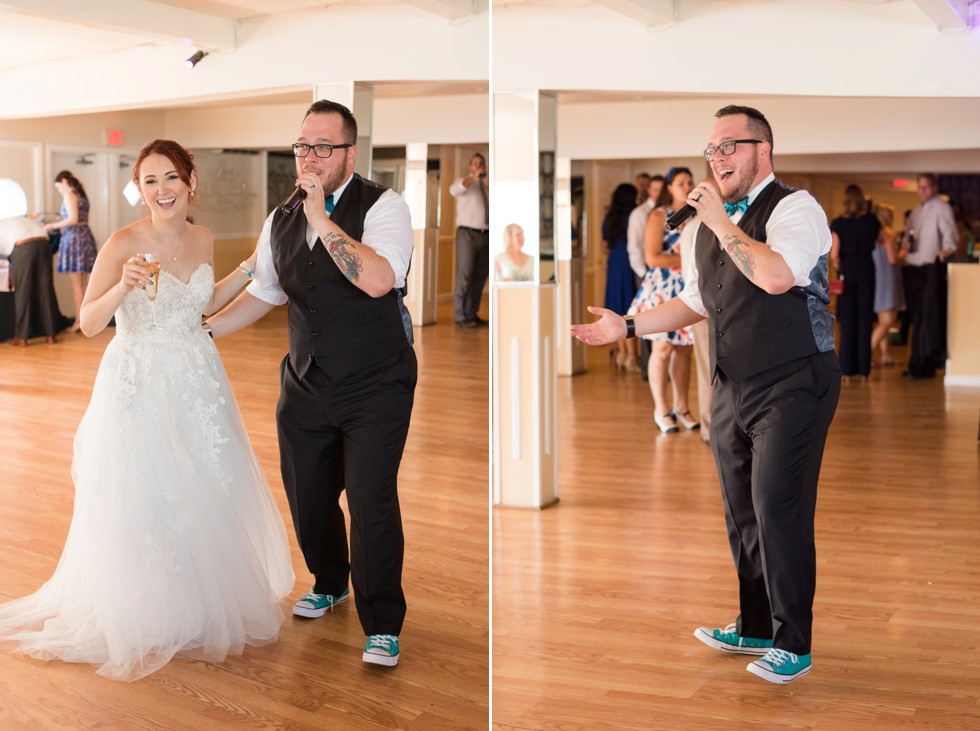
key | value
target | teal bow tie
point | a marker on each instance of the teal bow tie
(741, 206)
(328, 203)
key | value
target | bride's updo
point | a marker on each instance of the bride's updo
(183, 160)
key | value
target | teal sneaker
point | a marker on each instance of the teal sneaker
(316, 605)
(728, 640)
(381, 650)
(779, 666)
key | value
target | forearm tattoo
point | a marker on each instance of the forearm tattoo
(343, 251)
(740, 253)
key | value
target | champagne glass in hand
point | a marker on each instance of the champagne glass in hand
(151, 263)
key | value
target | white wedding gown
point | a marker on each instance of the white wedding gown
(175, 545)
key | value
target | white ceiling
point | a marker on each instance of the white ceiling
(37, 36)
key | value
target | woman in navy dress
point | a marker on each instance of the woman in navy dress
(620, 284)
(76, 251)
(855, 234)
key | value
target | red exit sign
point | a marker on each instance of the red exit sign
(113, 137)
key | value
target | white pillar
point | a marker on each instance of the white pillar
(524, 328)
(570, 353)
(422, 196)
(359, 98)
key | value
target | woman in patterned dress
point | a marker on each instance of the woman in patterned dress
(76, 252)
(663, 281)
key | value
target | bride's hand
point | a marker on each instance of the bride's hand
(134, 274)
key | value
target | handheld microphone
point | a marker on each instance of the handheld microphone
(679, 217)
(293, 201)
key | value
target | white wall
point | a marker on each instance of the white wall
(679, 126)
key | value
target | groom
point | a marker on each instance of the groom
(348, 381)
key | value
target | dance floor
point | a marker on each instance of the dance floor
(313, 678)
(596, 599)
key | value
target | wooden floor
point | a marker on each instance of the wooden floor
(596, 599)
(313, 678)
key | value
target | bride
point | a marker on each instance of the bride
(176, 545)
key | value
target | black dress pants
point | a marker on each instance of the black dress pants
(35, 303)
(768, 434)
(925, 299)
(349, 435)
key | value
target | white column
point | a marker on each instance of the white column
(524, 329)
(359, 98)
(570, 353)
(422, 196)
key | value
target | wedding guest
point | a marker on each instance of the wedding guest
(855, 236)
(76, 248)
(672, 351)
(889, 295)
(25, 243)
(512, 264)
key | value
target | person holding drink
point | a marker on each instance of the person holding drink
(176, 545)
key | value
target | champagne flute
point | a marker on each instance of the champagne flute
(152, 287)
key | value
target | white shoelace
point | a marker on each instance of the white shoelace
(778, 658)
(383, 641)
(314, 598)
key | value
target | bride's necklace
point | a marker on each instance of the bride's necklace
(176, 248)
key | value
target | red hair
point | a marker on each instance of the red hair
(183, 160)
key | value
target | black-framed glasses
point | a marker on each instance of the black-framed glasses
(727, 148)
(322, 151)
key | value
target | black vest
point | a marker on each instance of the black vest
(331, 322)
(751, 331)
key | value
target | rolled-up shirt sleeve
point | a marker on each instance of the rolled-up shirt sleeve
(798, 231)
(388, 230)
(265, 285)
(691, 294)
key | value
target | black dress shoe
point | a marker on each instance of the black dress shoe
(480, 321)
(465, 323)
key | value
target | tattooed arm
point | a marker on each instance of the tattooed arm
(761, 265)
(365, 269)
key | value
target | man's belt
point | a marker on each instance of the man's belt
(478, 230)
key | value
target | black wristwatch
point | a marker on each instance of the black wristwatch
(630, 327)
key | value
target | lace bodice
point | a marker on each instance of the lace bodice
(178, 307)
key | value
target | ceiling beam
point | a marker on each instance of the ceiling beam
(449, 9)
(137, 17)
(946, 14)
(651, 13)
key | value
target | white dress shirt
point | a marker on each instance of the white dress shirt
(470, 211)
(635, 230)
(387, 230)
(797, 230)
(935, 228)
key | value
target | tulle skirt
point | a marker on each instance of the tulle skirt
(176, 545)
